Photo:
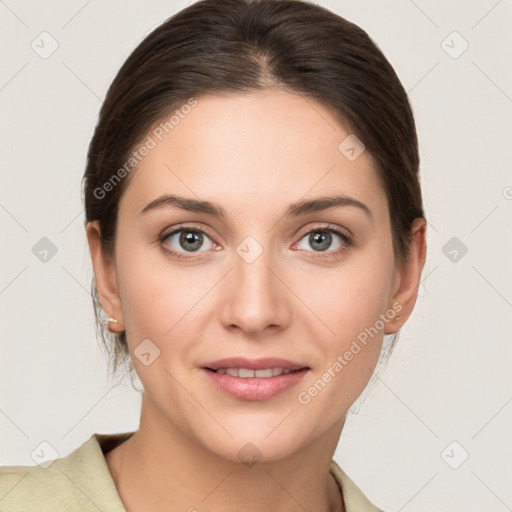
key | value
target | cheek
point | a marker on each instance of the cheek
(149, 293)
(351, 303)
(349, 356)
(352, 299)
(161, 300)
(352, 350)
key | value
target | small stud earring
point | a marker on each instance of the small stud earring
(396, 320)
(113, 328)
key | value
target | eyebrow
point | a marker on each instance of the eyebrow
(294, 210)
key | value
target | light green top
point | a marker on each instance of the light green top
(81, 482)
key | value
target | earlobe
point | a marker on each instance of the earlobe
(407, 277)
(114, 326)
(105, 277)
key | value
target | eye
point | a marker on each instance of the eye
(321, 238)
(185, 240)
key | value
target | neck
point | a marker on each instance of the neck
(162, 468)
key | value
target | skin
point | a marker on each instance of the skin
(254, 154)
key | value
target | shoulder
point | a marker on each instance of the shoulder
(32, 487)
(353, 498)
(80, 481)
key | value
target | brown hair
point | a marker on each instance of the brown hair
(242, 45)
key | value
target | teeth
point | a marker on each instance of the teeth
(263, 373)
(248, 373)
(245, 372)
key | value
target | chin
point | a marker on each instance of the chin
(252, 450)
(256, 441)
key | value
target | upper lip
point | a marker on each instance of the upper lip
(254, 364)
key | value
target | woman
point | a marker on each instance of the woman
(275, 139)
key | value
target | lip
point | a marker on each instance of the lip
(255, 388)
(254, 364)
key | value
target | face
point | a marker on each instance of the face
(265, 280)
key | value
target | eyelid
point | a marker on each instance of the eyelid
(184, 226)
(326, 226)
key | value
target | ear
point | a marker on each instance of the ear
(407, 277)
(105, 275)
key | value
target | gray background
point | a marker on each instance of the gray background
(449, 378)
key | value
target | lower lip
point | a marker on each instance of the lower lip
(255, 388)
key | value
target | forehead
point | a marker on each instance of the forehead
(259, 148)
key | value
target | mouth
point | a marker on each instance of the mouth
(254, 379)
(247, 373)
(273, 364)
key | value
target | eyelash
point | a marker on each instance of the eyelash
(326, 228)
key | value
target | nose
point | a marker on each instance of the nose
(254, 297)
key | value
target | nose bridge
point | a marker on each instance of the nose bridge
(254, 299)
